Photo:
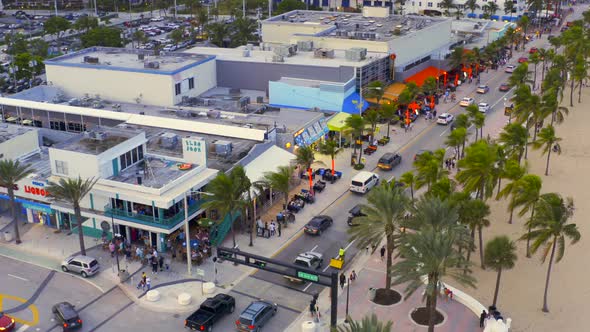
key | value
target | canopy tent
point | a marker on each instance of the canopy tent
(338, 122)
(392, 91)
(351, 103)
(421, 76)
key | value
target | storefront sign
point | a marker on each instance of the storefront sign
(36, 191)
(37, 207)
(30, 189)
(309, 135)
(194, 150)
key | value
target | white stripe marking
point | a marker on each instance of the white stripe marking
(348, 246)
(314, 248)
(17, 277)
(444, 132)
(22, 328)
(306, 287)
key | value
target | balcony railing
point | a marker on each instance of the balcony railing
(144, 219)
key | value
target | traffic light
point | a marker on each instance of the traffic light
(259, 263)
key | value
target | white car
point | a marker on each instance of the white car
(445, 119)
(466, 101)
(157, 19)
(169, 48)
(482, 89)
(483, 107)
(510, 68)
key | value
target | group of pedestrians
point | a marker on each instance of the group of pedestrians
(144, 282)
(267, 230)
(351, 278)
(450, 163)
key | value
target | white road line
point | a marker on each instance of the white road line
(348, 246)
(501, 98)
(306, 287)
(443, 132)
(23, 328)
(17, 277)
(314, 248)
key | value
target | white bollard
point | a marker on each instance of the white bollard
(184, 299)
(308, 326)
(208, 288)
(152, 296)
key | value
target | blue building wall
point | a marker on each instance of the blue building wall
(326, 96)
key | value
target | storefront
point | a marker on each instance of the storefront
(307, 136)
(32, 201)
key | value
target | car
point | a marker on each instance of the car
(523, 59)
(256, 315)
(445, 119)
(85, 265)
(509, 68)
(157, 19)
(318, 224)
(533, 50)
(210, 311)
(504, 87)
(421, 152)
(466, 101)
(66, 315)
(389, 160)
(6, 322)
(483, 107)
(354, 213)
(310, 260)
(482, 89)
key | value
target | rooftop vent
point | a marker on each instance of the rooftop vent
(278, 58)
(151, 65)
(168, 140)
(90, 59)
(324, 53)
(140, 56)
(305, 45)
(356, 54)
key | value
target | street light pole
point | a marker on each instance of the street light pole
(55, 2)
(347, 296)
(116, 249)
(187, 237)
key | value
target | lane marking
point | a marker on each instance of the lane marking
(17, 277)
(443, 132)
(314, 248)
(23, 328)
(346, 248)
(306, 287)
(25, 305)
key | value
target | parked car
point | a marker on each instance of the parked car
(6, 323)
(353, 214)
(157, 19)
(389, 160)
(210, 311)
(509, 68)
(466, 101)
(310, 260)
(318, 224)
(483, 107)
(66, 315)
(85, 265)
(533, 50)
(445, 119)
(523, 59)
(257, 314)
(483, 89)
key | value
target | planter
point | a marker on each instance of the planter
(420, 316)
(8, 236)
(385, 296)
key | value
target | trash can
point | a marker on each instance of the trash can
(123, 275)
(7, 236)
(372, 293)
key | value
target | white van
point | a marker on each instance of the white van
(363, 182)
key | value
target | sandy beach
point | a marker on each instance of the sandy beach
(521, 292)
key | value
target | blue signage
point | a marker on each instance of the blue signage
(311, 134)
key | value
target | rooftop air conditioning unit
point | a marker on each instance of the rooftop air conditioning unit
(90, 59)
(305, 45)
(151, 65)
(168, 140)
(324, 53)
(140, 56)
(292, 49)
(356, 54)
(282, 50)
(223, 148)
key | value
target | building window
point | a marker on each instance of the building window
(177, 88)
(61, 167)
(191, 83)
(420, 4)
(131, 157)
(430, 5)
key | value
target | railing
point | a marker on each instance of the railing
(219, 231)
(166, 223)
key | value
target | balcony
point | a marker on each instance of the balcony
(165, 223)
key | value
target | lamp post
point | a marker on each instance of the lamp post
(187, 237)
(116, 251)
(347, 297)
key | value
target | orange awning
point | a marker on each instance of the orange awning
(391, 93)
(419, 77)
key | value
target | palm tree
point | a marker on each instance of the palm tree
(500, 255)
(535, 59)
(457, 57)
(551, 227)
(356, 123)
(368, 324)
(305, 157)
(388, 112)
(514, 138)
(73, 191)
(520, 75)
(385, 208)
(375, 89)
(429, 168)
(544, 55)
(513, 172)
(527, 193)
(551, 105)
(330, 148)
(477, 174)
(280, 181)
(447, 5)
(217, 32)
(491, 8)
(431, 253)
(472, 5)
(477, 211)
(455, 139)
(479, 122)
(429, 86)
(409, 181)
(579, 74)
(11, 172)
(547, 141)
(244, 29)
(509, 8)
(372, 118)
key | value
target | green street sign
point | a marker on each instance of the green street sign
(307, 276)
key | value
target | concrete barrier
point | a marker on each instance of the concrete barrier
(152, 295)
(463, 298)
(308, 326)
(208, 288)
(8, 236)
(184, 299)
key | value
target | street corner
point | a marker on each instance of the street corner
(23, 313)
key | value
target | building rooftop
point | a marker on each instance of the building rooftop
(123, 59)
(357, 26)
(9, 131)
(155, 172)
(97, 140)
(256, 54)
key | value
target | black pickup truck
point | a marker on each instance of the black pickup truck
(210, 312)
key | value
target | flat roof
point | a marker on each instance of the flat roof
(160, 172)
(355, 25)
(123, 59)
(97, 140)
(257, 55)
(10, 131)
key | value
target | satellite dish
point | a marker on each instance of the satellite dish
(105, 226)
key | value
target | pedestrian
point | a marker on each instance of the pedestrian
(141, 284)
(382, 253)
(482, 318)
(352, 276)
(272, 228)
(434, 113)
(155, 253)
(112, 248)
(342, 280)
(279, 227)
(148, 284)
(453, 163)
(143, 276)
(154, 263)
(161, 263)
(266, 232)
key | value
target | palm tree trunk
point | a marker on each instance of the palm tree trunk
(535, 78)
(580, 92)
(526, 141)
(432, 308)
(545, 307)
(390, 247)
(547, 167)
(511, 215)
(78, 214)
(572, 93)
(499, 184)
(469, 249)
(480, 233)
(528, 240)
(231, 226)
(412, 191)
(360, 150)
(14, 217)
(543, 72)
(497, 287)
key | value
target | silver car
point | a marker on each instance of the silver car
(84, 265)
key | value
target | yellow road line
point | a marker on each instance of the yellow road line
(32, 307)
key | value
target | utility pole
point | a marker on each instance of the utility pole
(187, 236)
(244, 8)
(55, 3)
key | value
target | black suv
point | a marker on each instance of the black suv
(256, 315)
(355, 212)
(67, 316)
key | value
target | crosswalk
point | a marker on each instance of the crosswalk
(22, 328)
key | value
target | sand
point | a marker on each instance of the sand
(521, 289)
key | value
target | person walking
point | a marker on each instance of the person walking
(482, 318)
(154, 263)
(148, 284)
(342, 280)
(382, 253)
(266, 232)
(112, 248)
(352, 276)
(279, 227)
(273, 227)
(161, 263)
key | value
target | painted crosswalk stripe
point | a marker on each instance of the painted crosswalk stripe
(23, 328)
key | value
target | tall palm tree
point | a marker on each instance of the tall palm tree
(385, 208)
(547, 141)
(409, 181)
(367, 324)
(509, 8)
(372, 118)
(527, 193)
(551, 105)
(500, 255)
(514, 138)
(520, 75)
(356, 125)
(472, 5)
(491, 8)
(477, 212)
(388, 112)
(551, 228)
(375, 89)
(513, 172)
(477, 174)
(579, 75)
(478, 122)
(73, 191)
(431, 253)
(429, 167)
(457, 58)
(447, 5)
(535, 59)
(305, 157)
(544, 56)
(455, 140)
(11, 172)
(280, 181)
(330, 148)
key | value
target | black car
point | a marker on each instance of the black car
(66, 315)
(210, 312)
(257, 314)
(318, 224)
(389, 160)
(354, 213)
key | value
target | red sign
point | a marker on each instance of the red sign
(36, 191)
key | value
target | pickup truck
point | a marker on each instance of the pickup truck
(309, 260)
(210, 312)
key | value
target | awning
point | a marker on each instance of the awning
(471, 15)
(350, 104)
(392, 91)
(338, 122)
(268, 161)
(419, 77)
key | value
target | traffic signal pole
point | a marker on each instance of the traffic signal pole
(334, 300)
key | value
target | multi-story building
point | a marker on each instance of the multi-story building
(433, 7)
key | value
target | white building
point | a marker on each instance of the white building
(433, 7)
